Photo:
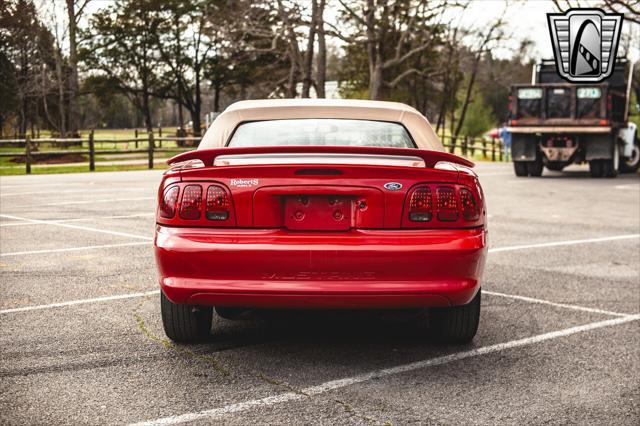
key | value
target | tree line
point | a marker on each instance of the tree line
(64, 69)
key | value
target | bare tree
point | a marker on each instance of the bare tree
(307, 79)
(321, 59)
(486, 38)
(185, 40)
(394, 33)
(295, 56)
(74, 12)
(120, 45)
(630, 8)
(26, 46)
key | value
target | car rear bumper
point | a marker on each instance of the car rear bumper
(274, 268)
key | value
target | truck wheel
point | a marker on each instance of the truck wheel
(596, 169)
(535, 168)
(520, 167)
(631, 164)
(610, 167)
(457, 324)
(185, 323)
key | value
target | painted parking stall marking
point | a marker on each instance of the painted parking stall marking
(83, 248)
(82, 228)
(349, 381)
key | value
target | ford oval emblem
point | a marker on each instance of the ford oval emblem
(393, 186)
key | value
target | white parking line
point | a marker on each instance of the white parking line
(79, 302)
(101, 200)
(64, 250)
(80, 219)
(480, 174)
(73, 191)
(558, 305)
(82, 228)
(630, 186)
(38, 185)
(564, 243)
(349, 381)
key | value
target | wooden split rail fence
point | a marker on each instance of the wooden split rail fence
(93, 147)
(489, 149)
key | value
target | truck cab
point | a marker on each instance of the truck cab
(555, 123)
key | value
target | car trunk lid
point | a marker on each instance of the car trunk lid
(333, 189)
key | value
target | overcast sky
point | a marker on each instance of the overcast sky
(525, 19)
(528, 19)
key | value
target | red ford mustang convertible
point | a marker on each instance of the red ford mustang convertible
(311, 204)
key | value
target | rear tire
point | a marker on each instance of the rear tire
(457, 324)
(520, 167)
(631, 164)
(535, 168)
(185, 323)
(596, 169)
(609, 168)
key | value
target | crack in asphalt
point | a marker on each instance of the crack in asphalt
(217, 365)
(166, 343)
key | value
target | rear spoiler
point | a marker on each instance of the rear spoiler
(430, 158)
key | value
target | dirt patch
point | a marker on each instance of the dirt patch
(51, 159)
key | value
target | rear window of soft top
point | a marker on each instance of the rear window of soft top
(322, 132)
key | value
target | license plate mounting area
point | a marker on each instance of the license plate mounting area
(318, 212)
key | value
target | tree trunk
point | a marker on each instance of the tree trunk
(44, 101)
(216, 97)
(375, 83)
(375, 62)
(321, 64)
(294, 51)
(180, 117)
(308, 55)
(23, 117)
(61, 109)
(293, 80)
(146, 109)
(467, 96)
(197, 107)
(73, 74)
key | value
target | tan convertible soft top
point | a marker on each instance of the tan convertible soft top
(277, 109)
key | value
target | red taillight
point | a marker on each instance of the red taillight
(420, 205)
(191, 202)
(217, 207)
(468, 205)
(442, 206)
(168, 202)
(447, 205)
(196, 204)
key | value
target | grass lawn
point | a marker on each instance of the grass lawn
(8, 165)
(118, 133)
(84, 168)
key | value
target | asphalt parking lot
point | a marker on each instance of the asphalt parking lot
(81, 339)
